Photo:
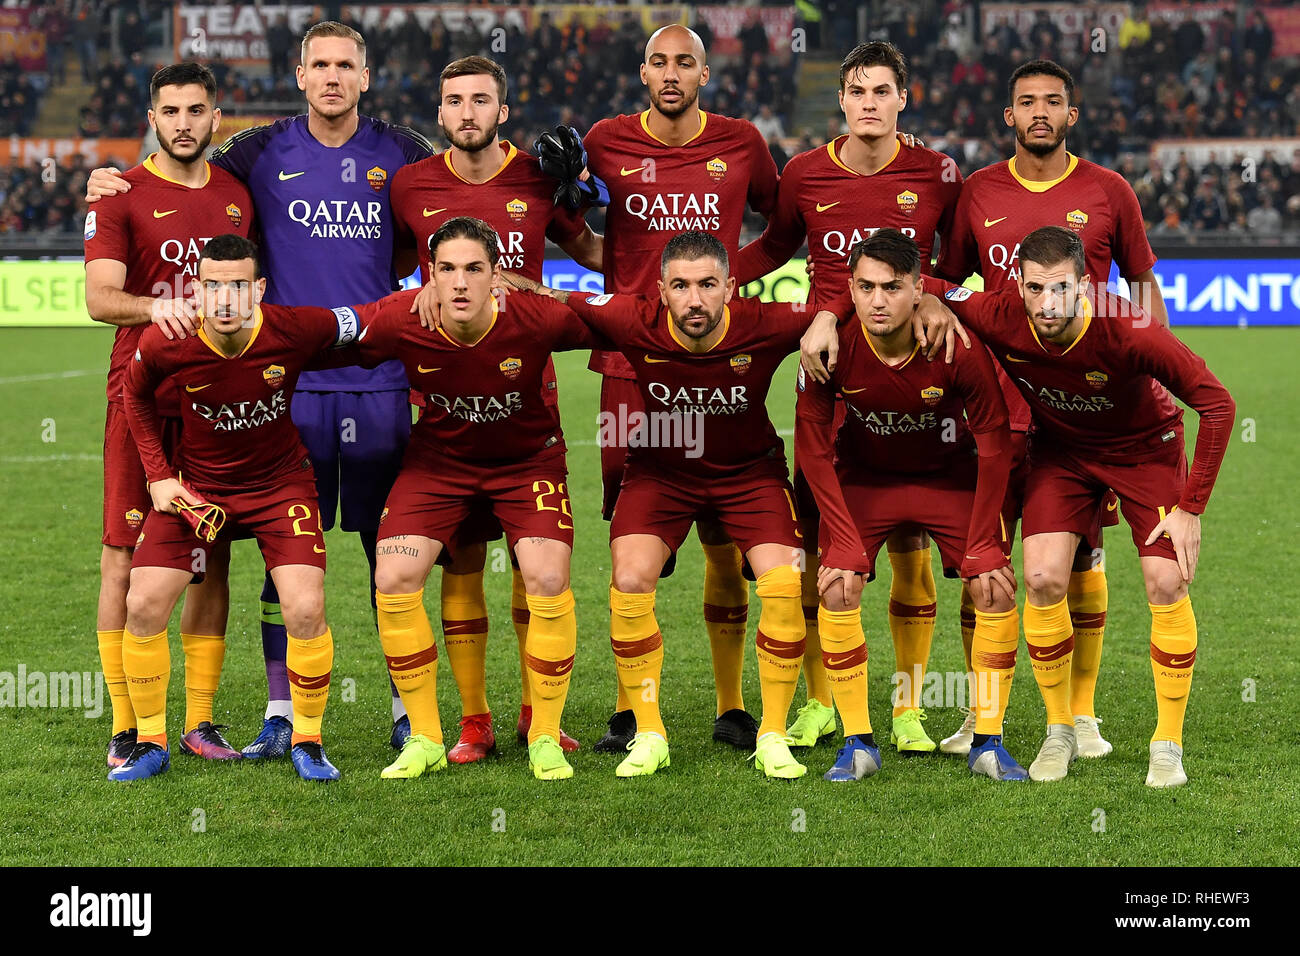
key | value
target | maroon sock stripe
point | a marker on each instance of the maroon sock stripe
(409, 662)
(637, 648)
(1084, 619)
(967, 619)
(717, 614)
(899, 609)
(309, 683)
(1051, 652)
(549, 668)
(995, 660)
(1165, 659)
(845, 660)
(521, 615)
(789, 650)
(475, 625)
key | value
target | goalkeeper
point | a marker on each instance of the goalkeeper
(240, 471)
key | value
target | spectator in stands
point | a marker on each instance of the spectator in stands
(768, 123)
(1258, 37)
(1264, 219)
(279, 44)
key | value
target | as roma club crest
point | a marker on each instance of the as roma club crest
(740, 363)
(1097, 380)
(377, 176)
(716, 168)
(931, 395)
(134, 517)
(907, 201)
(517, 209)
(236, 215)
(511, 367)
(1076, 219)
(274, 375)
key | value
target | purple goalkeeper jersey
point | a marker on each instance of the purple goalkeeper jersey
(327, 231)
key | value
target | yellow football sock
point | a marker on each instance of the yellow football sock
(1088, 597)
(967, 639)
(412, 656)
(638, 656)
(519, 617)
(552, 641)
(993, 655)
(309, 661)
(814, 671)
(780, 645)
(110, 662)
(147, 662)
(1051, 644)
(844, 651)
(621, 702)
(912, 599)
(464, 635)
(1173, 654)
(204, 654)
(726, 610)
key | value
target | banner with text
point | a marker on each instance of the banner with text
(726, 23)
(235, 33)
(21, 38)
(35, 150)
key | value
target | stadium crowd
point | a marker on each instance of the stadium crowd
(1155, 80)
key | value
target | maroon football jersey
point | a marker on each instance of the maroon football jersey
(917, 418)
(236, 431)
(997, 209)
(835, 208)
(723, 392)
(483, 401)
(657, 191)
(1104, 395)
(516, 202)
(158, 229)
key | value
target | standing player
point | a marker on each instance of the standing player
(673, 168)
(493, 181)
(921, 445)
(834, 196)
(487, 435)
(320, 183)
(1044, 184)
(141, 257)
(1095, 372)
(241, 464)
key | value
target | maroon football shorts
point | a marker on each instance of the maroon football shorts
(753, 509)
(285, 520)
(1066, 492)
(613, 393)
(529, 499)
(880, 503)
(126, 490)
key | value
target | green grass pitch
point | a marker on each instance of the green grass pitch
(1242, 805)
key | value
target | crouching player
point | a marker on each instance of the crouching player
(704, 362)
(487, 438)
(240, 462)
(1095, 374)
(922, 446)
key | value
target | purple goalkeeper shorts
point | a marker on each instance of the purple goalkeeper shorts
(356, 441)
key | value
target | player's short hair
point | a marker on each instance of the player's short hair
(694, 245)
(895, 249)
(875, 53)
(332, 28)
(1040, 68)
(183, 74)
(1053, 244)
(231, 248)
(467, 227)
(475, 66)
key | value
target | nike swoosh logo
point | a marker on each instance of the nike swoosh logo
(197, 388)
(821, 208)
(655, 361)
(285, 177)
(992, 222)
(309, 683)
(421, 368)
(623, 170)
(318, 549)
(1175, 662)
(1112, 505)
(853, 391)
(160, 215)
(1012, 358)
(837, 661)
(432, 212)
(562, 669)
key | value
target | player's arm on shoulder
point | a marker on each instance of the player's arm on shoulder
(415, 145)
(239, 154)
(144, 373)
(1144, 292)
(107, 302)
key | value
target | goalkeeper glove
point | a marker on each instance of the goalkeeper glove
(563, 157)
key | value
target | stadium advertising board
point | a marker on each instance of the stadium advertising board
(726, 22)
(1075, 21)
(371, 18)
(1242, 292)
(25, 151)
(1200, 151)
(589, 15)
(235, 32)
(22, 40)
